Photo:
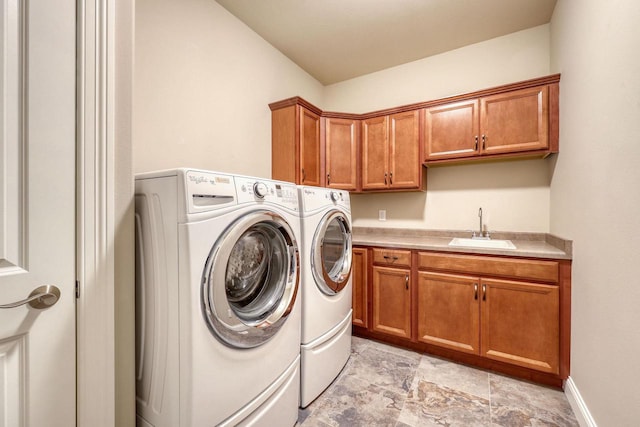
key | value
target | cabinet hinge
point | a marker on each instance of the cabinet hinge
(77, 289)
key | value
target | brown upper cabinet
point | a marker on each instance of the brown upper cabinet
(385, 150)
(341, 151)
(391, 152)
(451, 130)
(375, 153)
(516, 122)
(295, 144)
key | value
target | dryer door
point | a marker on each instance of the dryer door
(331, 253)
(251, 280)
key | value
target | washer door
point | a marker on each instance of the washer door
(251, 280)
(331, 253)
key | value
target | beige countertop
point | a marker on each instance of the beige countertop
(530, 245)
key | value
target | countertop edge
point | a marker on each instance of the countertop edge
(528, 245)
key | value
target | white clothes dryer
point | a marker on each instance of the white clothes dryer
(326, 288)
(217, 300)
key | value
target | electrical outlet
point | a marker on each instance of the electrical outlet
(382, 215)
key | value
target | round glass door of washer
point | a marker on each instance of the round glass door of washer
(251, 280)
(331, 253)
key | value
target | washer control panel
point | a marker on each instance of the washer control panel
(207, 191)
(255, 189)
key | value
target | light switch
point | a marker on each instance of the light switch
(382, 215)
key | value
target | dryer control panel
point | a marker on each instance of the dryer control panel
(315, 198)
(259, 190)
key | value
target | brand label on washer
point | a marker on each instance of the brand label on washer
(199, 179)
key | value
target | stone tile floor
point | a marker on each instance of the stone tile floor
(383, 385)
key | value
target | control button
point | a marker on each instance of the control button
(260, 189)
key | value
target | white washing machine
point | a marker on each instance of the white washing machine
(326, 288)
(217, 300)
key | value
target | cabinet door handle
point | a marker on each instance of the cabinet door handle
(304, 176)
(391, 178)
(484, 142)
(475, 291)
(328, 179)
(385, 178)
(484, 292)
(406, 281)
(475, 148)
(395, 258)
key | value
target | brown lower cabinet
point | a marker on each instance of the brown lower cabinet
(449, 311)
(507, 314)
(360, 314)
(510, 321)
(520, 323)
(391, 301)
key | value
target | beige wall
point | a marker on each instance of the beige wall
(203, 82)
(514, 195)
(517, 56)
(595, 199)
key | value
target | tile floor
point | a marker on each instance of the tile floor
(383, 385)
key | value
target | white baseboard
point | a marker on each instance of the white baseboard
(578, 404)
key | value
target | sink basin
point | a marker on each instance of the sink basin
(479, 243)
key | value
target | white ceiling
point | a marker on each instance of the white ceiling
(335, 40)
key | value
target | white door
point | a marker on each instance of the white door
(37, 211)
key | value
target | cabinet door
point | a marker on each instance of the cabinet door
(359, 287)
(515, 121)
(405, 165)
(451, 130)
(309, 148)
(520, 324)
(341, 150)
(285, 151)
(449, 311)
(375, 153)
(392, 301)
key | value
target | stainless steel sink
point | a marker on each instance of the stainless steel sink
(482, 243)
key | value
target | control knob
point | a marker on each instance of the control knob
(260, 189)
(334, 196)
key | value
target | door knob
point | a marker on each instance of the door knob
(40, 298)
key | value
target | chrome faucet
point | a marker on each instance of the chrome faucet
(481, 234)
